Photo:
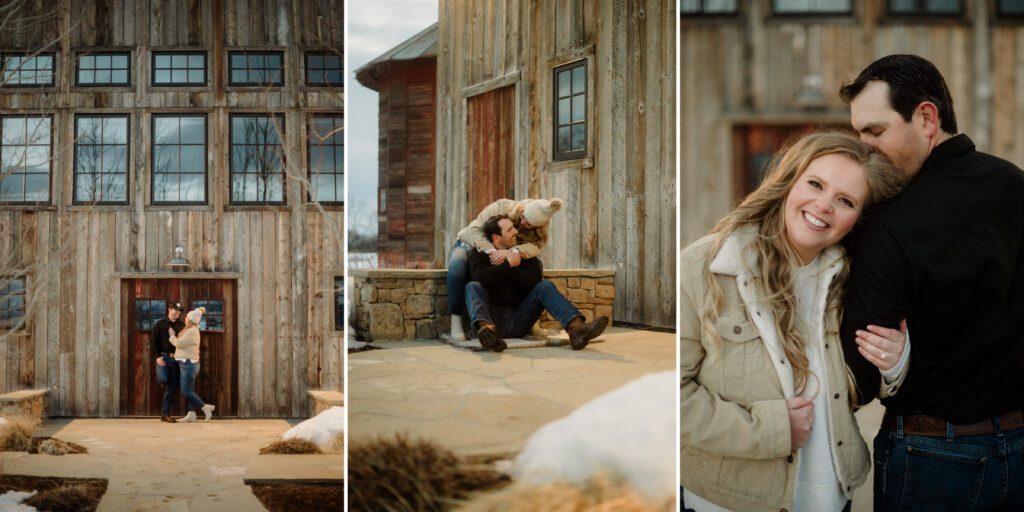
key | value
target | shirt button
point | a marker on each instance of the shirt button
(789, 458)
(836, 396)
(839, 443)
(737, 329)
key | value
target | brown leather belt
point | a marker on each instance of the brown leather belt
(924, 425)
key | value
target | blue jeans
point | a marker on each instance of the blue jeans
(458, 276)
(965, 473)
(515, 322)
(172, 385)
(189, 371)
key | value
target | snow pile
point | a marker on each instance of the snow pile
(320, 429)
(628, 433)
(3, 421)
(10, 501)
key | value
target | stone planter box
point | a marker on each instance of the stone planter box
(320, 400)
(405, 304)
(27, 402)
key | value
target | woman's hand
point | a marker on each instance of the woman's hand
(801, 416)
(160, 362)
(498, 257)
(881, 346)
(170, 330)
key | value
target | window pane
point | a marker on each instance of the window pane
(119, 61)
(315, 76)
(165, 159)
(85, 188)
(163, 77)
(1011, 6)
(191, 188)
(87, 159)
(165, 130)
(103, 61)
(179, 76)
(563, 111)
(273, 61)
(333, 77)
(196, 61)
(115, 187)
(332, 62)
(321, 159)
(563, 139)
(255, 61)
(37, 159)
(86, 62)
(579, 108)
(37, 187)
(237, 61)
(103, 76)
(119, 77)
(38, 130)
(192, 158)
(272, 77)
(315, 61)
(579, 79)
(14, 130)
(563, 83)
(114, 159)
(269, 187)
(179, 61)
(165, 187)
(339, 158)
(115, 130)
(579, 137)
(12, 187)
(163, 61)
(195, 76)
(944, 6)
(193, 130)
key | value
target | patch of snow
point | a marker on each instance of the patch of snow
(228, 470)
(320, 429)
(10, 501)
(628, 433)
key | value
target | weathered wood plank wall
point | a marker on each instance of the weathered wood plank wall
(750, 69)
(620, 197)
(288, 255)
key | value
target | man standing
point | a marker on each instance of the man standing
(164, 352)
(506, 299)
(947, 254)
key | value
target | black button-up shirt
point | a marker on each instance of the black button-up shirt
(160, 342)
(947, 255)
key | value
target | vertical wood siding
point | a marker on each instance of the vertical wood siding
(287, 255)
(620, 199)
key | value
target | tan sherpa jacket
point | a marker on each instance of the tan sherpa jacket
(734, 425)
(187, 344)
(530, 240)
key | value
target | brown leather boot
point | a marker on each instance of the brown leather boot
(489, 337)
(581, 333)
(168, 419)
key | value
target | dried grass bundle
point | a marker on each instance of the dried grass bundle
(599, 495)
(294, 445)
(67, 498)
(16, 433)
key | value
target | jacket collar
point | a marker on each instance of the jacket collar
(950, 148)
(737, 257)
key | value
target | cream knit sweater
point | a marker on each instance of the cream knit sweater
(187, 344)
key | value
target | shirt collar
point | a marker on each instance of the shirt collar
(950, 148)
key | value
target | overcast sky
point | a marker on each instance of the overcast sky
(373, 28)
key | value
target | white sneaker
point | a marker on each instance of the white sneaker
(189, 418)
(457, 332)
(208, 411)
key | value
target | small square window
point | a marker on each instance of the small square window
(27, 70)
(716, 7)
(925, 7)
(149, 312)
(570, 105)
(323, 70)
(213, 319)
(256, 68)
(812, 6)
(179, 69)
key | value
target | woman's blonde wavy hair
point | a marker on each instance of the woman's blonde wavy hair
(775, 258)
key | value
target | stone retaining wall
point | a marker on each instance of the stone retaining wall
(413, 304)
(27, 402)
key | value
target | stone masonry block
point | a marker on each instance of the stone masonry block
(369, 293)
(425, 286)
(572, 282)
(441, 305)
(603, 311)
(605, 291)
(588, 283)
(606, 280)
(410, 329)
(399, 295)
(599, 300)
(386, 322)
(577, 296)
(419, 305)
(425, 329)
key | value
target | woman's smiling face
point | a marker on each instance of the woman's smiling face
(824, 204)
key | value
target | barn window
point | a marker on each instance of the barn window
(1010, 8)
(25, 159)
(256, 68)
(149, 312)
(257, 161)
(339, 303)
(707, 6)
(812, 7)
(213, 319)
(101, 159)
(103, 69)
(179, 159)
(323, 69)
(326, 145)
(570, 130)
(925, 7)
(179, 68)
(24, 70)
(12, 301)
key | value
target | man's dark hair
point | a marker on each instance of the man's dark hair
(491, 227)
(911, 80)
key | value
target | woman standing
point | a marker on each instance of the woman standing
(531, 218)
(766, 421)
(187, 354)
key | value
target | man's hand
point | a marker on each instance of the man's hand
(160, 362)
(514, 258)
(801, 416)
(498, 256)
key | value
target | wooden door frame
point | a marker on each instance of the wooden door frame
(519, 176)
(182, 276)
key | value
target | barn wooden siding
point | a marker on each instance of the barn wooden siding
(288, 255)
(619, 208)
(749, 69)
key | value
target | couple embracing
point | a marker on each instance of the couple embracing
(788, 325)
(176, 346)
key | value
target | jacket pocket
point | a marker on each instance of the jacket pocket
(763, 479)
(743, 351)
